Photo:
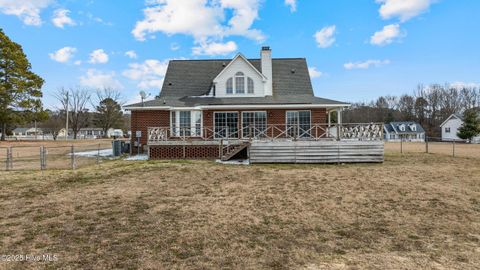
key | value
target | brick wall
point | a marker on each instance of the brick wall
(190, 152)
(142, 120)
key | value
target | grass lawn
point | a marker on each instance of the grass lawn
(413, 211)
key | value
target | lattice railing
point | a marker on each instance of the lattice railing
(361, 132)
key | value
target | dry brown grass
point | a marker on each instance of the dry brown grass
(413, 211)
(443, 148)
(26, 154)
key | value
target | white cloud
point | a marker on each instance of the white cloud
(63, 55)
(98, 57)
(204, 20)
(325, 37)
(149, 74)
(387, 35)
(462, 85)
(403, 9)
(292, 4)
(26, 10)
(215, 48)
(366, 64)
(60, 18)
(99, 79)
(314, 73)
(131, 54)
(77, 63)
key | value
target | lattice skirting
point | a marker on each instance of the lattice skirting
(184, 152)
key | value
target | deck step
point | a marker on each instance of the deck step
(233, 150)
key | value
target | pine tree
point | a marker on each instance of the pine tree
(109, 115)
(20, 88)
(471, 125)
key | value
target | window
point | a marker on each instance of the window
(298, 123)
(230, 86)
(239, 83)
(447, 130)
(250, 86)
(186, 123)
(254, 124)
(226, 125)
(402, 127)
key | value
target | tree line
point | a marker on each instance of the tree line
(428, 105)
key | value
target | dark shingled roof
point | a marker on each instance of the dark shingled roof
(187, 80)
(394, 127)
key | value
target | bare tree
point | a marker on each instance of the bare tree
(54, 124)
(75, 100)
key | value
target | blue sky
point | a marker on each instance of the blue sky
(357, 50)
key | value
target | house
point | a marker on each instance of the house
(404, 131)
(207, 108)
(112, 132)
(450, 128)
(23, 132)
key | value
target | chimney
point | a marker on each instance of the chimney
(266, 58)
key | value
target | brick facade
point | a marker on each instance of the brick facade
(141, 120)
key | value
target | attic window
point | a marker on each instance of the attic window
(230, 86)
(239, 83)
(413, 127)
(402, 127)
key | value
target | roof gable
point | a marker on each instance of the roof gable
(240, 57)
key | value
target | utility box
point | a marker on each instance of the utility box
(117, 148)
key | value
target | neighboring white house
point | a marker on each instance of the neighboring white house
(450, 128)
(406, 131)
(21, 132)
(114, 133)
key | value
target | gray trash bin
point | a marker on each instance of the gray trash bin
(117, 148)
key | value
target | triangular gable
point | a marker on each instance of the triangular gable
(450, 117)
(239, 55)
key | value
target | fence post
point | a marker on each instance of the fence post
(41, 158)
(72, 152)
(98, 154)
(426, 144)
(401, 145)
(7, 162)
(453, 148)
(220, 149)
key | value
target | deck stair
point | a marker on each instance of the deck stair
(229, 151)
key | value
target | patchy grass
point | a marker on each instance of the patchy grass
(413, 211)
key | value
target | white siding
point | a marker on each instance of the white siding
(454, 124)
(239, 65)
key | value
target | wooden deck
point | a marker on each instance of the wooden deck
(317, 152)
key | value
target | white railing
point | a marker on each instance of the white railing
(315, 132)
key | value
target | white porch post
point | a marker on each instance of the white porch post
(329, 118)
(339, 116)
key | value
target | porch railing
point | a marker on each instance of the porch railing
(313, 132)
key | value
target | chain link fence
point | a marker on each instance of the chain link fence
(43, 157)
(433, 145)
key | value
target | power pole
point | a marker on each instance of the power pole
(66, 122)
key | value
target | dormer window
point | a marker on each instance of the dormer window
(402, 127)
(239, 83)
(230, 86)
(413, 127)
(250, 86)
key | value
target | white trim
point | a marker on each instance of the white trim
(246, 60)
(261, 106)
(450, 117)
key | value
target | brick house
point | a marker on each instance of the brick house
(205, 104)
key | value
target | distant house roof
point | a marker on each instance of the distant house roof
(411, 127)
(187, 82)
